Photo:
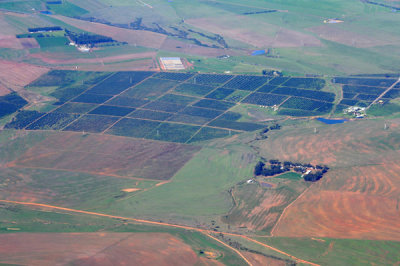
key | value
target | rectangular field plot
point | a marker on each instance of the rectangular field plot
(23, 118)
(164, 106)
(244, 126)
(306, 83)
(248, 83)
(65, 94)
(307, 104)
(392, 94)
(267, 88)
(54, 121)
(220, 94)
(237, 96)
(297, 112)
(112, 110)
(210, 79)
(264, 99)
(91, 98)
(150, 89)
(365, 97)
(193, 89)
(92, 123)
(363, 89)
(374, 82)
(213, 104)
(10, 103)
(75, 108)
(108, 155)
(149, 114)
(120, 82)
(349, 102)
(173, 132)
(174, 76)
(127, 101)
(178, 99)
(64, 78)
(207, 133)
(317, 95)
(130, 127)
(278, 81)
(348, 95)
(202, 112)
(189, 119)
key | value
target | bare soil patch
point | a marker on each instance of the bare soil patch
(341, 215)
(10, 41)
(17, 75)
(95, 249)
(133, 37)
(108, 155)
(265, 35)
(130, 189)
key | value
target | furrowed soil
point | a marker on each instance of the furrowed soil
(107, 155)
(359, 196)
(17, 75)
(97, 249)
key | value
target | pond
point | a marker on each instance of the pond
(331, 121)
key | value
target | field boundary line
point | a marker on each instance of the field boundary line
(284, 210)
(152, 223)
(383, 93)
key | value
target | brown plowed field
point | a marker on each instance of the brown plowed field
(10, 41)
(359, 196)
(17, 75)
(96, 249)
(3, 90)
(133, 37)
(341, 215)
(107, 155)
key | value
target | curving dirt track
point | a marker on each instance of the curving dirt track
(96, 249)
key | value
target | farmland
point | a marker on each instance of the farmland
(277, 143)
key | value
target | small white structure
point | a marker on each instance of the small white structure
(171, 63)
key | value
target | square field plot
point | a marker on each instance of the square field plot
(193, 89)
(75, 108)
(237, 96)
(92, 123)
(54, 121)
(264, 99)
(207, 133)
(210, 79)
(91, 98)
(127, 101)
(220, 94)
(173, 132)
(151, 115)
(189, 119)
(248, 83)
(150, 89)
(112, 110)
(307, 104)
(174, 76)
(202, 112)
(178, 99)
(130, 127)
(164, 106)
(214, 104)
(119, 82)
(306, 83)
